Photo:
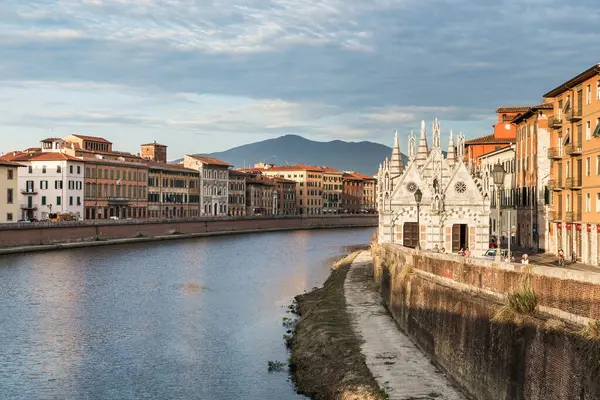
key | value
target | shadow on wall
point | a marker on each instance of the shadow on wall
(524, 357)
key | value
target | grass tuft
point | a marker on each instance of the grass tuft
(522, 301)
(591, 349)
(346, 261)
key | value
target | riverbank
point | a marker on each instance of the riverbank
(38, 239)
(326, 360)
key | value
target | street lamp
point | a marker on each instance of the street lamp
(498, 176)
(418, 198)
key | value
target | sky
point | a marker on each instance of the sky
(203, 76)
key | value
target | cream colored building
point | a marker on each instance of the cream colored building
(9, 187)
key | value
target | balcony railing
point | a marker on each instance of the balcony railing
(29, 192)
(573, 149)
(555, 122)
(573, 215)
(555, 152)
(555, 216)
(554, 184)
(573, 183)
(29, 206)
(573, 115)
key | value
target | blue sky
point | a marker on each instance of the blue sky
(203, 76)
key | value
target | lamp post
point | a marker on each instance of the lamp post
(418, 198)
(498, 175)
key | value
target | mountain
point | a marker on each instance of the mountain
(363, 157)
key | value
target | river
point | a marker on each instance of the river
(189, 319)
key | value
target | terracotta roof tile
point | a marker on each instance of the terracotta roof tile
(487, 139)
(512, 109)
(211, 161)
(6, 163)
(91, 138)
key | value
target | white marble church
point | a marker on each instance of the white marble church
(454, 212)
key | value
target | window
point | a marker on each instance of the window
(588, 94)
(71, 200)
(44, 185)
(43, 200)
(58, 184)
(30, 169)
(9, 216)
(588, 167)
(58, 169)
(588, 130)
(597, 129)
(78, 201)
(10, 174)
(43, 169)
(71, 169)
(78, 170)
(9, 196)
(58, 200)
(588, 203)
(598, 91)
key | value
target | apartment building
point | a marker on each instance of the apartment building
(354, 187)
(369, 195)
(261, 196)
(309, 188)
(237, 193)
(214, 184)
(50, 183)
(504, 228)
(173, 191)
(286, 196)
(116, 183)
(575, 167)
(333, 190)
(9, 186)
(533, 154)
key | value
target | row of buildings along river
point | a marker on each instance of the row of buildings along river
(539, 170)
(84, 177)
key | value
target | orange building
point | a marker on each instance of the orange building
(354, 187)
(309, 188)
(504, 135)
(532, 175)
(575, 170)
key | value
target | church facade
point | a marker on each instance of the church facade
(454, 210)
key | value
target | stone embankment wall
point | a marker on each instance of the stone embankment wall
(446, 304)
(34, 234)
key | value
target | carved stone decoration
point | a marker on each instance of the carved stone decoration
(412, 146)
(460, 187)
(436, 134)
(411, 187)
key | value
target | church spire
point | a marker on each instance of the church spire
(396, 166)
(423, 151)
(451, 156)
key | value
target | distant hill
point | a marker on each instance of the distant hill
(363, 157)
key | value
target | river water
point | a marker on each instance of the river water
(190, 319)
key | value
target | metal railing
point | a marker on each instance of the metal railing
(573, 149)
(573, 115)
(573, 215)
(555, 122)
(573, 182)
(555, 152)
(29, 206)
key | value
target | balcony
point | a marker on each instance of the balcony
(573, 115)
(573, 149)
(555, 153)
(555, 122)
(555, 216)
(573, 183)
(573, 215)
(118, 200)
(29, 192)
(554, 184)
(29, 206)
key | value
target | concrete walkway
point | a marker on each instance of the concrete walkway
(396, 363)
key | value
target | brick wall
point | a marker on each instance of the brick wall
(446, 303)
(37, 234)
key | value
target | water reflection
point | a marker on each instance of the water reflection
(196, 319)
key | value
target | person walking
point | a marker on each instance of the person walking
(525, 259)
(561, 257)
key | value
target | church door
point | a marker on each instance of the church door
(410, 234)
(460, 237)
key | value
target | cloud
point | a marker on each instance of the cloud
(329, 68)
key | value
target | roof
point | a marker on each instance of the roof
(91, 138)
(45, 157)
(112, 153)
(52, 139)
(297, 167)
(5, 163)
(512, 109)
(155, 144)
(496, 152)
(489, 139)
(281, 180)
(363, 176)
(352, 176)
(211, 161)
(531, 110)
(170, 167)
(330, 170)
(571, 83)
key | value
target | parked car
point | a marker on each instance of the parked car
(490, 254)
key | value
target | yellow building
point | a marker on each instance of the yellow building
(333, 190)
(309, 188)
(575, 169)
(9, 186)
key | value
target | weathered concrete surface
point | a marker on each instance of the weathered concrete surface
(394, 360)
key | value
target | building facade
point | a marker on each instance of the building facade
(353, 187)
(309, 188)
(214, 184)
(261, 196)
(575, 169)
(173, 191)
(533, 174)
(333, 190)
(237, 193)
(505, 228)
(286, 193)
(453, 213)
(9, 187)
